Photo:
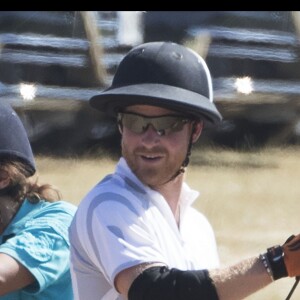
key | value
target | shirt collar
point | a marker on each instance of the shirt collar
(187, 197)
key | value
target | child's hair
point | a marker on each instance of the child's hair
(21, 186)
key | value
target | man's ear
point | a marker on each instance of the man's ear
(120, 127)
(4, 179)
(197, 130)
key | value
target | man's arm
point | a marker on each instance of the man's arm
(236, 282)
(240, 280)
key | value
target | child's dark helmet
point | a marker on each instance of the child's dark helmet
(14, 143)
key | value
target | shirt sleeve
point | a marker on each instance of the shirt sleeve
(116, 236)
(42, 249)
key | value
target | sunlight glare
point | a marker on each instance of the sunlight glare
(244, 85)
(28, 91)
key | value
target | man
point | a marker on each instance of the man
(34, 243)
(135, 235)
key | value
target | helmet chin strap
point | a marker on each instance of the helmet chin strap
(186, 160)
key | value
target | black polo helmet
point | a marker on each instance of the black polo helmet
(14, 143)
(162, 74)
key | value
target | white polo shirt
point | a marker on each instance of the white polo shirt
(122, 223)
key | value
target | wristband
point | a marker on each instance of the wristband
(263, 258)
(275, 258)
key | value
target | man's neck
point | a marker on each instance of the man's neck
(171, 191)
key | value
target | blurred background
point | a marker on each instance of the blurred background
(52, 62)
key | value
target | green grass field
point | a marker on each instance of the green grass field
(252, 198)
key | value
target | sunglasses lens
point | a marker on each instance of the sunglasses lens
(163, 124)
(168, 124)
(133, 122)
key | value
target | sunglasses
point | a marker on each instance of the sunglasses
(163, 125)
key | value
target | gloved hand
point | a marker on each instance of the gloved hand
(284, 260)
(291, 257)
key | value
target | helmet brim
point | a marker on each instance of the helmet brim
(18, 156)
(115, 99)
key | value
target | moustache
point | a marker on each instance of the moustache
(156, 150)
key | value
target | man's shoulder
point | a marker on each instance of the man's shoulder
(114, 192)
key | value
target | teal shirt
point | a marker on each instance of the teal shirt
(37, 237)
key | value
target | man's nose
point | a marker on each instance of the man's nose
(150, 134)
